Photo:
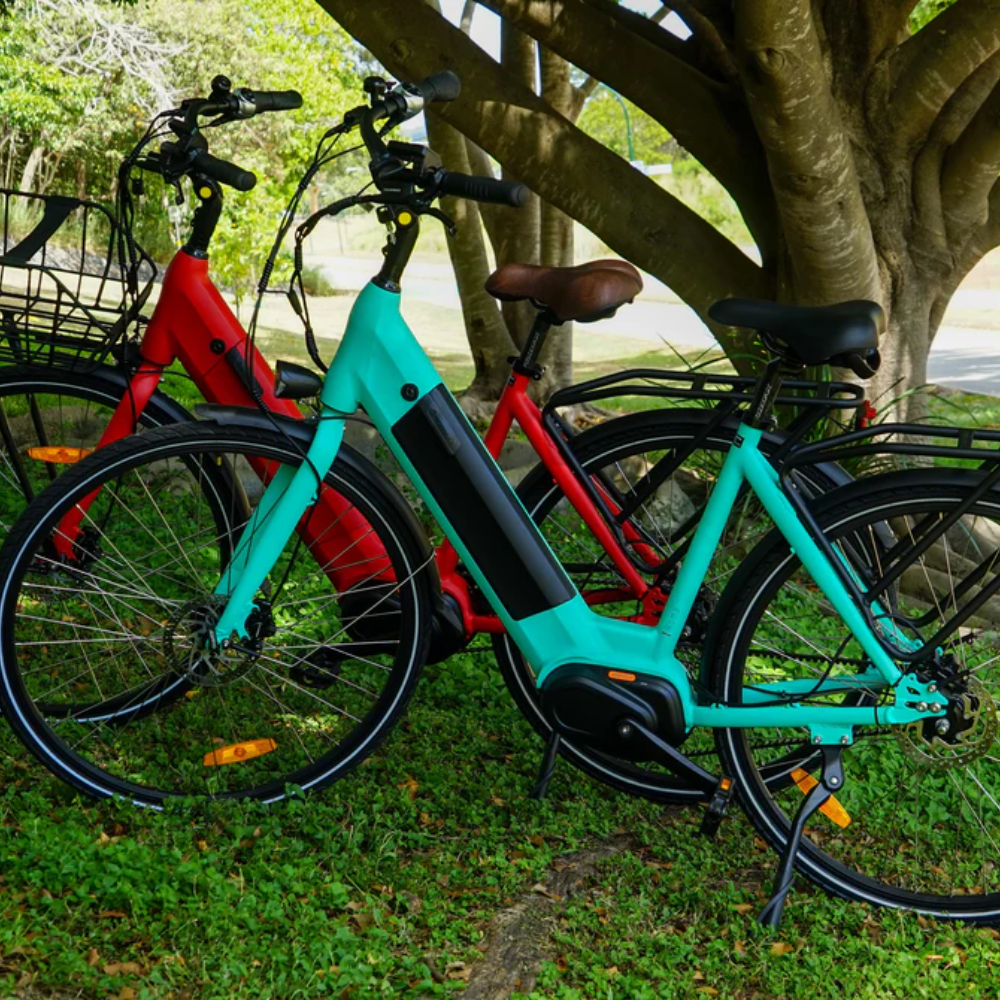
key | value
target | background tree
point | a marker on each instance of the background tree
(861, 148)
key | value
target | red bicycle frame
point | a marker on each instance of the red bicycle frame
(516, 404)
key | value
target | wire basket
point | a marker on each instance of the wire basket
(64, 292)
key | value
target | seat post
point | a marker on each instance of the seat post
(526, 363)
(767, 390)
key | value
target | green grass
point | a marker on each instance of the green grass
(387, 883)
(378, 886)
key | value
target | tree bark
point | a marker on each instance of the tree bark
(863, 159)
(31, 168)
(489, 340)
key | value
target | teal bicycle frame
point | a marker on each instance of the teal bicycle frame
(381, 368)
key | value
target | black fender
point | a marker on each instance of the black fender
(115, 382)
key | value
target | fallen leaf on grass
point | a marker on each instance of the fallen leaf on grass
(126, 993)
(457, 970)
(782, 948)
(411, 786)
(112, 915)
(123, 969)
(543, 890)
(743, 907)
(93, 957)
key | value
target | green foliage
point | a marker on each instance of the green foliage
(698, 189)
(315, 282)
(75, 124)
(927, 10)
(608, 118)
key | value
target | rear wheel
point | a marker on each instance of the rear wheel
(924, 805)
(322, 676)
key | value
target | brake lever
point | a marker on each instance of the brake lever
(447, 221)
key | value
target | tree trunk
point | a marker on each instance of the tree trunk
(489, 340)
(863, 156)
(556, 236)
(516, 232)
(31, 168)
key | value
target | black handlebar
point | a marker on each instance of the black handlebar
(487, 189)
(224, 172)
(273, 100)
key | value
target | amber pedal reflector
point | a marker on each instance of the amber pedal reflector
(59, 455)
(237, 753)
(832, 809)
(620, 675)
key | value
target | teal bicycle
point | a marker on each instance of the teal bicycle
(854, 641)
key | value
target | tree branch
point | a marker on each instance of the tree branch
(468, 13)
(930, 241)
(824, 221)
(929, 68)
(630, 212)
(970, 171)
(708, 121)
(707, 33)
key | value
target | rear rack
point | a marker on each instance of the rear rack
(705, 386)
(970, 443)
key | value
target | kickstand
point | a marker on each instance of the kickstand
(548, 767)
(831, 781)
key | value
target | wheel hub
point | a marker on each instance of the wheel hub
(192, 649)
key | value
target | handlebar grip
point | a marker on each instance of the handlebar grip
(441, 87)
(224, 172)
(275, 100)
(487, 189)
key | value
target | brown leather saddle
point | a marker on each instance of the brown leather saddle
(584, 293)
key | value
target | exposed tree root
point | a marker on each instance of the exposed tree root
(520, 935)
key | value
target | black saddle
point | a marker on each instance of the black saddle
(844, 335)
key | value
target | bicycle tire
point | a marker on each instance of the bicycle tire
(308, 751)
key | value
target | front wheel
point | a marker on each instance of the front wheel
(923, 804)
(303, 699)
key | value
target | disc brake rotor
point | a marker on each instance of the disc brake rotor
(971, 730)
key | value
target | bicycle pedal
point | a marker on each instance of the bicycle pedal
(717, 808)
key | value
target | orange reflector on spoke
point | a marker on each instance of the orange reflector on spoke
(620, 675)
(58, 454)
(832, 809)
(237, 753)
